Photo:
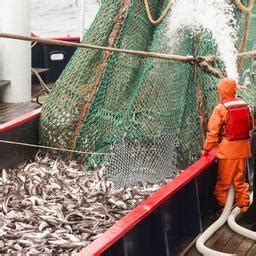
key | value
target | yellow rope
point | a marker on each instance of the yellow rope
(160, 19)
(52, 148)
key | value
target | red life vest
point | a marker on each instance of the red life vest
(238, 125)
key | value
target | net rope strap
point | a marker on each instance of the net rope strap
(160, 19)
(41, 81)
(164, 56)
(112, 40)
(248, 12)
(245, 9)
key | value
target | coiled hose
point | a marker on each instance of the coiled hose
(230, 218)
(237, 228)
(215, 226)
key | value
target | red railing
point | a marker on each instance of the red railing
(119, 229)
(20, 120)
(73, 38)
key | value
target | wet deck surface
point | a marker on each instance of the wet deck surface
(227, 241)
(10, 111)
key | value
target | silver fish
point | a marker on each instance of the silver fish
(52, 206)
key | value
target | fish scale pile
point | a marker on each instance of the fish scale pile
(56, 206)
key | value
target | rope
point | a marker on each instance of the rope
(41, 81)
(165, 56)
(93, 87)
(160, 19)
(38, 97)
(52, 148)
(248, 11)
(243, 8)
(34, 44)
(200, 100)
(247, 54)
(207, 68)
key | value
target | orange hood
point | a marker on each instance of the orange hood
(227, 88)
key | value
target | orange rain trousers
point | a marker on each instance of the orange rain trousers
(232, 170)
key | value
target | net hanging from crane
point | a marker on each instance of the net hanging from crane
(151, 114)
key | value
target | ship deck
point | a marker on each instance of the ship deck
(224, 240)
(11, 111)
(19, 123)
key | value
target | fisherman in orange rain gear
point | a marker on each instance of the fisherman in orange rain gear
(229, 131)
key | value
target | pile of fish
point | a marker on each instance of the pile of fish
(55, 206)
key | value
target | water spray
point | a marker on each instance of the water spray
(208, 16)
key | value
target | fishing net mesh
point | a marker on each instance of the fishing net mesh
(149, 114)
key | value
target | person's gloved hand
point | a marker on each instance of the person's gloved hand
(204, 152)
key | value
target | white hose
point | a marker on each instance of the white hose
(237, 228)
(215, 226)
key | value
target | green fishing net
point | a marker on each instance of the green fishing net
(149, 115)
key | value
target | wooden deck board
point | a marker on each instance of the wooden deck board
(10, 111)
(194, 252)
(251, 251)
(187, 248)
(244, 246)
(223, 237)
(227, 241)
(215, 237)
(233, 243)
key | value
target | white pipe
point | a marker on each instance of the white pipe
(16, 56)
(83, 20)
(215, 226)
(237, 228)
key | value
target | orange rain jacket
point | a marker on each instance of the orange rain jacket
(225, 149)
